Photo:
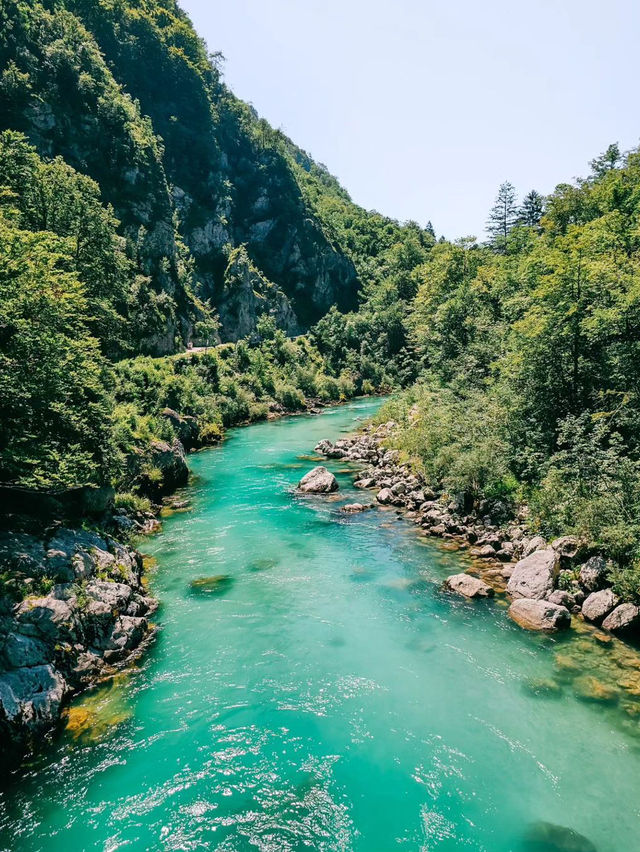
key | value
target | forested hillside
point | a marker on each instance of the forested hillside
(144, 208)
(526, 352)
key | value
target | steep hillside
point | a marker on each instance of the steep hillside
(127, 94)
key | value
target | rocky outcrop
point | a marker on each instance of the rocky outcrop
(535, 614)
(167, 468)
(468, 586)
(247, 295)
(534, 576)
(74, 609)
(318, 481)
(185, 427)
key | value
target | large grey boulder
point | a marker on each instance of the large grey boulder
(385, 496)
(470, 587)
(540, 615)
(625, 617)
(593, 574)
(318, 481)
(599, 604)
(534, 576)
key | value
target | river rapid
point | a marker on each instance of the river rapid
(323, 693)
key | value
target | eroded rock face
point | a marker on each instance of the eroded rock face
(318, 481)
(90, 614)
(540, 615)
(470, 587)
(534, 576)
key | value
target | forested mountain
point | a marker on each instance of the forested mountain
(126, 94)
(144, 207)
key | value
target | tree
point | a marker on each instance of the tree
(606, 161)
(503, 216)
(531, 209)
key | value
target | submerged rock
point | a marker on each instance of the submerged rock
(535, 614)
(534, 576)
(543, 687)
(318, 481)
(262, 564)
(548, 837)
(470, 587)
(216, 585)
(589, 688)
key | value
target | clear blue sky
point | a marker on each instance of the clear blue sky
(423, 108)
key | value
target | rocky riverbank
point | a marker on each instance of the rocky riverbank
(73, 610)
(546, 582)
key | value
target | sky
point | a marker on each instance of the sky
(420, 108)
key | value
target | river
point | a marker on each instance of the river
(324, 693)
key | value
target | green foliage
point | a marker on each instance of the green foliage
(456, 441)
(55, 409)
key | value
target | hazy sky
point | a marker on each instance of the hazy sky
(422, 108)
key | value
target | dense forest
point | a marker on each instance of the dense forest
(143, 208)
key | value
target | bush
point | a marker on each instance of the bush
(291, 398)
(132, 502)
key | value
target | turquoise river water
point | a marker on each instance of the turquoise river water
(325, 695)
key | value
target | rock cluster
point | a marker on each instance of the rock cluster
(547, 581)
(73, 610)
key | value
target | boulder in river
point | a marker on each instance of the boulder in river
(534, 576)
(470, 587)
(535, 614)
(623, 619)
(548, 837)
(318, 481)
(599, 604)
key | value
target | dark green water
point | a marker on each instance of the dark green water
(326, 696)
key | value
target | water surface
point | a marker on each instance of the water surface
(323, 693)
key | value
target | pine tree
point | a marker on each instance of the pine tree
(531, 210)
(503, 216)
(606, 161)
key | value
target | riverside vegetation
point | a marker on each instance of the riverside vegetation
(144, 208)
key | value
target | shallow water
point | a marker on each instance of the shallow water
(323, 693)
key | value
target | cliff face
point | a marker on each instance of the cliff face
(127, 94)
